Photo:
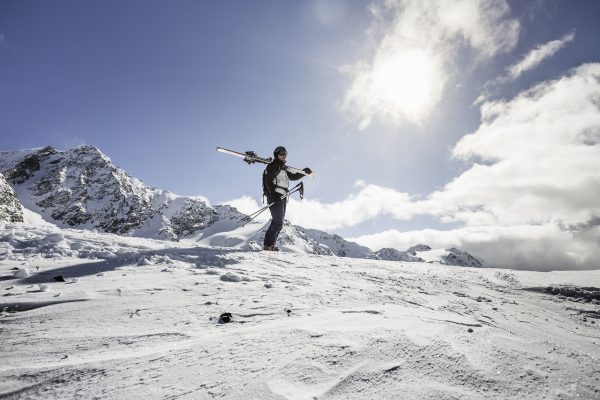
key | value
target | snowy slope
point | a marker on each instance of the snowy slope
(251, 237)
(138, 319)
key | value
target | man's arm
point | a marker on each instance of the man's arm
(298, 175)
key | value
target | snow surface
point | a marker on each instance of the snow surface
(137, 318)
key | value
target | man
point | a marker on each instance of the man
(276, 180)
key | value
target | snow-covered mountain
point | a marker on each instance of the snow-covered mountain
(10, 207)
(390, 254)
(424, 253)
(81, 188)
(461, 258)
(338, 245)
(452, 256)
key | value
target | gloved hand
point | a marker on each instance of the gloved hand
(307, 170)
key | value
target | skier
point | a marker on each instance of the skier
(275, 187)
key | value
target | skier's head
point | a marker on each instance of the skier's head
(280, 151)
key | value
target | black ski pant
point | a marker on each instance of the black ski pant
(277, 215)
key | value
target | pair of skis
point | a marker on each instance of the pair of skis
(251, 157)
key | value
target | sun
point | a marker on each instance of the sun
(404, 84)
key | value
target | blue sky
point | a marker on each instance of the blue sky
(358, 91)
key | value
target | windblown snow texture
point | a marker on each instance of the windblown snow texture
(98, 315)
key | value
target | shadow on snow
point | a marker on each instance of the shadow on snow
(196, 255)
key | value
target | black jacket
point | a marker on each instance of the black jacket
(271, 172)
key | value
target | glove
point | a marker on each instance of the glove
(307, 170)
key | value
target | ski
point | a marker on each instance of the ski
(251, 157)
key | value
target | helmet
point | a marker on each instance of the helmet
(279, 150)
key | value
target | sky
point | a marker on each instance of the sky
(466, 123)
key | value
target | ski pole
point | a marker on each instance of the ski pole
(298, 188)
(254, 215)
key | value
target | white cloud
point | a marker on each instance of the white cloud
(369, 202)
(537, 55)
(416, 55)
(537, 247)
(531, 196)
(542, 152)
(530, 61)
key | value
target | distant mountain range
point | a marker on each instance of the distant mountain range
(81, 188)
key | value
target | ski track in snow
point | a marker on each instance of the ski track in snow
(140, 322)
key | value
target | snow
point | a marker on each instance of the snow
(21, 273)
(433, 255)
(33, 218)
(9, 158)
(141, 322)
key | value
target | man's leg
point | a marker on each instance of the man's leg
(277, 213)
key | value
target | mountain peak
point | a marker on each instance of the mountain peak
(86, 148)
(418, 247)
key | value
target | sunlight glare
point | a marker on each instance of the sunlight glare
(403, 83)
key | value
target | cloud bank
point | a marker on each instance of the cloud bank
(544, 247)
(530, 197)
